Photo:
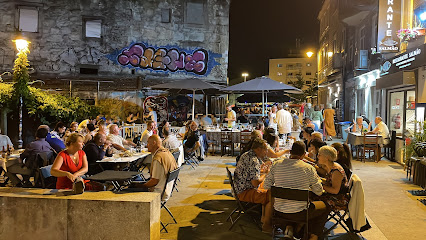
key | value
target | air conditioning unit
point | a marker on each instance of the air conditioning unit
(337, 61)
(362, 60)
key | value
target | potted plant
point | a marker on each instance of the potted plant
(416, 142)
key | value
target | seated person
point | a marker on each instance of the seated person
(192, 141)
(29, 155)
(149, 131)
(71, 164)
(344, 157)
(317, 135)
(116, 140)
(308, 123)
(243, 118)
(255, 134)
(296, 174)
(90, 133)
(102, 127)
(382, 130)
(163, 162)
(56, 143)
(273, 146)
(170, 141)
(336, 182)
(206, 121)
(96, 150)
(313, 148)
(5, 142)
(307, 135)
(248, 178)
(72, 129)
(359, 126)
(59, 130)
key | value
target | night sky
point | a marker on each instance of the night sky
(260, 30)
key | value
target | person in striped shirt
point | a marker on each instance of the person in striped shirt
(296, 174)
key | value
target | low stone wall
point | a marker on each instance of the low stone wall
(30, 214)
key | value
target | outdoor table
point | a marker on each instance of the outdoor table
(5, 162)
(356, 139)
(118, 178)
(117, 159)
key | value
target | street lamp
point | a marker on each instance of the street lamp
(22, 76)
(245, 75)
(309, 54)
(330, 54)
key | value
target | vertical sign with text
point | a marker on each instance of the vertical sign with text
(389, 23)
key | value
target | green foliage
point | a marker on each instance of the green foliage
(416, 137)
(116, 108)
(48, 107)
(300, 83)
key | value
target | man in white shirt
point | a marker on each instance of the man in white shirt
(284, 121)
(231, 116)
(4, 141)
(116, 140)
(170, 141)
(382, 130)
(149, 131)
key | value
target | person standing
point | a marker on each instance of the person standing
(308, 110)
(330, 130)
(317, 117)
(152, 115)
(272, 115)
(231, 116)
(284, 121)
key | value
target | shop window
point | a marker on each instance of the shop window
(28, 19)
(93, 28)
(410, 112)
(396, 112)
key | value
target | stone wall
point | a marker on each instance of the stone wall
(169, 31)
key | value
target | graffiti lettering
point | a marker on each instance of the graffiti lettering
(138, 55)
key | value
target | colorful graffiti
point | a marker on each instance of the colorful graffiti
(163, 59)
(159, 105)
(198, 61)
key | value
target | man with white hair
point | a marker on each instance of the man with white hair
(116, 140)
(382, 130)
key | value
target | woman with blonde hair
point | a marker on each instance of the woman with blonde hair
(71, 164)
(336, 182)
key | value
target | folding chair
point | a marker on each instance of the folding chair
(171, 177)
(289, 194)
(242, 207)
(176, 156)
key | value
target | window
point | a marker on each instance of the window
(290, 74)
(93, 28)
(165, 15)
(298, 65)
(28, 19)
(279, 65)
(194, 13)
(279, 74)
(308, 64)
(308, 82)
(308, 73)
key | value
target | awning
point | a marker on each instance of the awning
(397, 79)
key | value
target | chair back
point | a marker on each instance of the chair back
(245, 137)
(171, 177)
(371, 139)
(234, 193)
(290, 194)
(225, 136)
(176, 155)
(393, 138)
(45, 158)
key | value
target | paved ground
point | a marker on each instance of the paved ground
(203, 203)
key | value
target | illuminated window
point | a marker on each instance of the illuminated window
(279, 74)
(308, 64)
(28, 19)
(279, 65)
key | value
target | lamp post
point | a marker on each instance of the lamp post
(309, 54)
(21, 77)
(245, 75)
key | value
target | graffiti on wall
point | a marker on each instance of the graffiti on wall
(157, 104)
(138, 55)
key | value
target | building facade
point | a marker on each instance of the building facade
(286, 70)
(85, 46)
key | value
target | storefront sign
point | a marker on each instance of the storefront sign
(411, 59)
(388, 25)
